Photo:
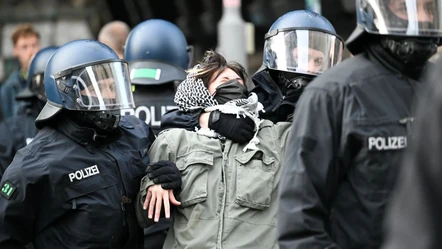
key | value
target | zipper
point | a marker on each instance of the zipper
(223, 202)
(124, 198)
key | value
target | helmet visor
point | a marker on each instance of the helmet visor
(401, 17)
(103, 86)
(303, 51)
(37, 86)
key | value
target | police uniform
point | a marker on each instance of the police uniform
(349, 131)
(152, 102)
(65, 191)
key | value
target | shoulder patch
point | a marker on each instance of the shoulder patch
(7, 190)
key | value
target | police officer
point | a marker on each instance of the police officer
(350, 128)
(19, 131)
(73, 185)
(158, 56)
(299, 46)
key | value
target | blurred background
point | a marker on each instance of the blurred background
(60, 21)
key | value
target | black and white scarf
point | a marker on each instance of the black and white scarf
(193, 94)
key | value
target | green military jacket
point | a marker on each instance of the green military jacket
(229, 197)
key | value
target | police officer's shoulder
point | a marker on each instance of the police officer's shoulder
(28, 162)
(45, 138)
(132, 124)
(349, 71)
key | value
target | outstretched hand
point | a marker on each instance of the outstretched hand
(155, 198)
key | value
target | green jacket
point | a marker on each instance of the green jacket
(228, 197)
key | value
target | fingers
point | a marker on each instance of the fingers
(166, 204)
(172, 199)
(151, 206)
(155, 199)
(158, 208)
(155, 166)
(159, 165)
(147, 200)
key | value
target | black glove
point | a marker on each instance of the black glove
(165, 173)
(239, 130)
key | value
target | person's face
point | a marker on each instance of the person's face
(224, 76)
(315, 59)
(25, 48)
(106, 88)
(425, 9)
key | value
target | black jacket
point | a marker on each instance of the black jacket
(151, 102)
(65, 191)
(349, 130)
(16, 133)
(278, 107)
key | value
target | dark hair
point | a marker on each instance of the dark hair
(24, 30)
(214, 64)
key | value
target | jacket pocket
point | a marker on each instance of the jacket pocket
(255, 177)
(194, 168)
(377, 161)
(87, 186)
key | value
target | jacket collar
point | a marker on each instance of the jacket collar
(84, 135)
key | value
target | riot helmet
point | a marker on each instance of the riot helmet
(302, 42)
(34, 84)
(409, 29)
(299, 45)
(157, 53)
(86, 78)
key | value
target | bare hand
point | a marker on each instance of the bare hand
(204, 119)
(155, 196)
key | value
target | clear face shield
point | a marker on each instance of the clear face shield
(101, 87)
(302, 51)
(401, 17)
(37, 86)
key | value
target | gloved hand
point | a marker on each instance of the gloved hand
(165, 173)
(239, 130)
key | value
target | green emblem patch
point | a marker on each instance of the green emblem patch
(7, 190)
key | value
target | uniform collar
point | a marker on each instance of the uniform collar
(84, 135)
(378, 54)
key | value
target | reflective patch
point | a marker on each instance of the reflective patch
(387, 143)
(7, 190)
(84, 173)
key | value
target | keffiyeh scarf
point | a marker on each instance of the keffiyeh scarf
(193, 94)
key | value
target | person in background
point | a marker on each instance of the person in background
(114, 34)
(26, 41)
(17, 132)
(158, 55)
